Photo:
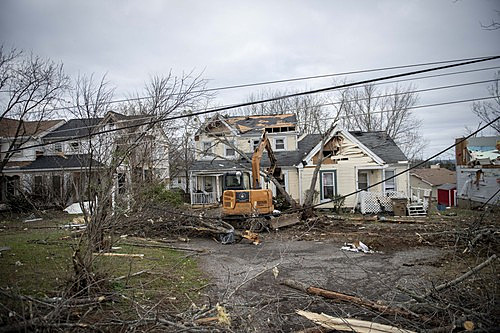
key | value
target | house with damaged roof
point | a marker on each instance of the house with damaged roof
(356, 160)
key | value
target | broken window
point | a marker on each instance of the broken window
(328, 181)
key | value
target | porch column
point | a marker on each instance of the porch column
(217, 187)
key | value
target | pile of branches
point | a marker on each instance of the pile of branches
(168, 222)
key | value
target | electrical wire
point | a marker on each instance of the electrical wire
(304, 93)
(245, 85)
(138, 118)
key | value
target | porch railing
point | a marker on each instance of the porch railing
(206, 198)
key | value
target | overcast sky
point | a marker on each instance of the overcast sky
(237, 42)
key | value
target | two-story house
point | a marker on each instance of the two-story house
(356, 160)
(72, 153)
(15, 134)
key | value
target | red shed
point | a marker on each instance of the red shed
(446, 194)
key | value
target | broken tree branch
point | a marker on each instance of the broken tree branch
(461, 277)
(348, 298)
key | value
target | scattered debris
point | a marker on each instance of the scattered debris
(358, 246)
(285, 220)
(252, 236)
(110, 254)
(73, 226)
(76, 208)
(18, 263)
(223, 316)
(351, 325)
(33, 220)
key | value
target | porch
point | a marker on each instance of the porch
(206, 189)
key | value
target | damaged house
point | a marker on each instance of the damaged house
(356, 161)
(478, 171)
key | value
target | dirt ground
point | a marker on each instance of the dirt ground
(243, 277)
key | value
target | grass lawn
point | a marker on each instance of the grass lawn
(38, 263)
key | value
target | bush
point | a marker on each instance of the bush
(159, 194)
(338, 202)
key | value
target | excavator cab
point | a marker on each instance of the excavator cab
(236, 180)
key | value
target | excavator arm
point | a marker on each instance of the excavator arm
(264, 143)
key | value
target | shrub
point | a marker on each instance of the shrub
(159, 194)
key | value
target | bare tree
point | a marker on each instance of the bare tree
(30, 88)
(306, 108)
(369, 109)
(487, 111)
(113, 157)
(182, 149)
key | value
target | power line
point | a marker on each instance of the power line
(316, 105)
(304, 93)
(375, 84)
(245, 85)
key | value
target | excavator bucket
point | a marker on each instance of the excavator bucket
(285, 220)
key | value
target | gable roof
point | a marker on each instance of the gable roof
(381, 145)
(74, 128)
(435, 177)
(8, 127)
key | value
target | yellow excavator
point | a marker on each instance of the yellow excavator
(239, 199)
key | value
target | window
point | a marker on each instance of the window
(255, 144)
(389, 184)
(207, 147)
(38, 188)
(75, 145)
(328, 181)
(19, 152)
(229, 151)
(56, 186)
(279, 143)
(363, 180)
(58, 147)
(121, 183)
